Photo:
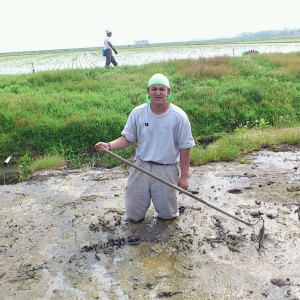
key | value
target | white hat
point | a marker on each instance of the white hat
(159, 79)
(108, 31)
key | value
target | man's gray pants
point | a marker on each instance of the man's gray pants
(142, 188)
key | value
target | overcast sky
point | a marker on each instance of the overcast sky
(61, 24)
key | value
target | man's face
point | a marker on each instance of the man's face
(158, 93)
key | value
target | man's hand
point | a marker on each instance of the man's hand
(115, 51)
(183, 182)
(101, 147)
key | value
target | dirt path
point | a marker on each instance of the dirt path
(61, 237)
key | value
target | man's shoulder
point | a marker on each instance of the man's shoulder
(140, 107)
(178, 110)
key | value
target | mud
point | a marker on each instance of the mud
(61, 236)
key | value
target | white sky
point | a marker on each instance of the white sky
(61, 24)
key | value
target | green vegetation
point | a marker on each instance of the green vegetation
(239, 103)
(235, 145)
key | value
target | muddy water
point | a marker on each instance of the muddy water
(8, 174)
(61, 236)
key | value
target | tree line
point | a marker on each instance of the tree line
(270, 34)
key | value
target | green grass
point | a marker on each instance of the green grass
(53, 161)
(234, 145)
(65, 113)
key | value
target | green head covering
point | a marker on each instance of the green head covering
(159, 79)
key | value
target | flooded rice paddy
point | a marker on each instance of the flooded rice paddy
(61, 236)
(46, 61)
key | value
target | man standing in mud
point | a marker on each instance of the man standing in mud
(108, 47)
(163, 134)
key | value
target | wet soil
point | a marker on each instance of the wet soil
(61, 236)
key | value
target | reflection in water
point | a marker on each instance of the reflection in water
(155, 265)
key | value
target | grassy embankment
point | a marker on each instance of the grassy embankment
(237, 104)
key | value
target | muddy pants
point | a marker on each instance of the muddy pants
(110, 59)
(142, 188)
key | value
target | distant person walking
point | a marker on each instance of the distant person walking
(108, 47)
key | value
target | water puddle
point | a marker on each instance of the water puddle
(8, 174)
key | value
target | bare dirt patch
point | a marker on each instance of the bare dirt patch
(61, 236)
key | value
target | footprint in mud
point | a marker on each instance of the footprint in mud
(235, 191)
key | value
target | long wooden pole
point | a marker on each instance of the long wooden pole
(177, 187)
